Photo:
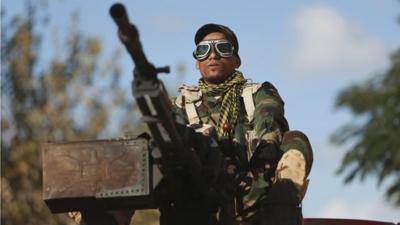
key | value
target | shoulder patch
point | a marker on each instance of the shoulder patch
(269, 86)
(270, 89)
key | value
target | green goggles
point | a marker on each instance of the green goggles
(222, 48)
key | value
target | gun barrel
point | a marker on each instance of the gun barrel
(154, 104)
(129, 36)
(118, 13)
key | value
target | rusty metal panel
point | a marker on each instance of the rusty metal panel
(107, 174)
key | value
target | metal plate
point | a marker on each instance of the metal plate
(100, 169)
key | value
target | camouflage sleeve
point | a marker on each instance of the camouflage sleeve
(270, 125)
(269, 120)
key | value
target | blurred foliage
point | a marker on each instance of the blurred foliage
(375, 133)
(74, 94)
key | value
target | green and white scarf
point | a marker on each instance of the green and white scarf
(230, 90)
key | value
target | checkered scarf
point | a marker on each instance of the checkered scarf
(230, 90)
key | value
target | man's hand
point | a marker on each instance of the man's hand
(265, 158)
(76, 216)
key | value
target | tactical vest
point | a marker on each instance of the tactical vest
(191, 98)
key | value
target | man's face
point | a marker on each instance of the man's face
(215, 69)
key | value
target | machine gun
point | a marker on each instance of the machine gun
(121, 173)
(155, 106)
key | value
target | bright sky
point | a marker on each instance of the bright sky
(308, 49)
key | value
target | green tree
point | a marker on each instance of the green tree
(375, 134)
(69, 97)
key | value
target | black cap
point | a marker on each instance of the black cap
(212, 27)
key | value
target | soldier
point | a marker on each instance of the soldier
(263, 177)
(265, 165)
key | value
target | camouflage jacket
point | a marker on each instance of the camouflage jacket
(261, 116)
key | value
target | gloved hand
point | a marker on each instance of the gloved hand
(265, 158)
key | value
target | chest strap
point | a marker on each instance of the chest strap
(192, 114)
(248, 100)
(190, 99)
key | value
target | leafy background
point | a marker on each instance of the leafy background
(70, 85)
